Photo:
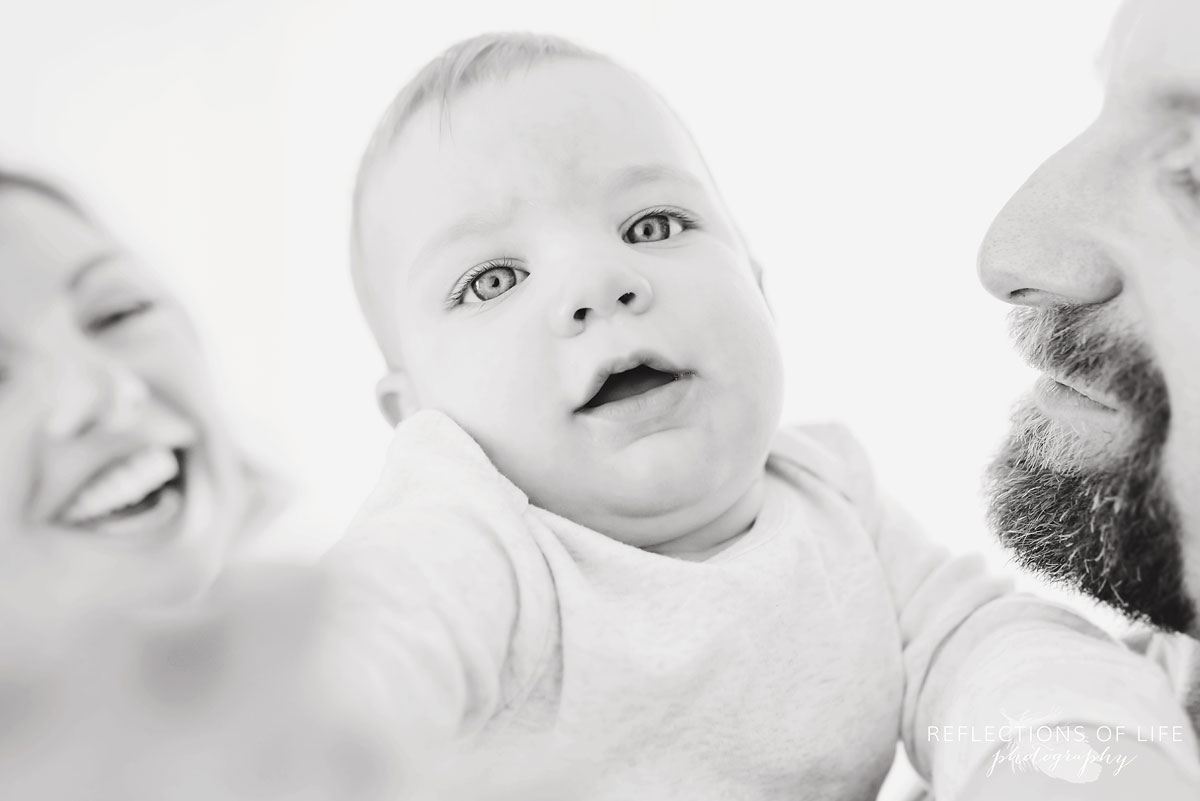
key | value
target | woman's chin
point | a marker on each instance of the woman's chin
(165, 552)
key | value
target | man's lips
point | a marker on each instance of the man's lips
(1069, 383)
(1074, 391)
(629, 376)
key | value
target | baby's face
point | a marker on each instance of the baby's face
(565, 282)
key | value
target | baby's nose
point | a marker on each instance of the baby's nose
(605, 295)
(627, 299)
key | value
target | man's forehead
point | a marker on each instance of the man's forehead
(1153, 53)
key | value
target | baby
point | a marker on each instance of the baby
(592, 542)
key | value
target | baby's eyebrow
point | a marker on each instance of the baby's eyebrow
(651, 173)
(479, 223)
(472, 224)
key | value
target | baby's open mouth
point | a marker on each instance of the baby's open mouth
(628, 383)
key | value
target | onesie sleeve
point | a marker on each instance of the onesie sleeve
(979, 656)
(1178, 655)
(441, 601)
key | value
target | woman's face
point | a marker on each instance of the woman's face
(117, 481)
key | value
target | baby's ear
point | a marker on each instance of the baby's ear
(396, 396)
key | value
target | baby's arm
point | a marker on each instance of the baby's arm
(978, 655)
(441, 600)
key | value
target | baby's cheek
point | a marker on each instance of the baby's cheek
(743, 330)
(751, 366)
(498, 403)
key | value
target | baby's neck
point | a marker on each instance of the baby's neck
(718, 534)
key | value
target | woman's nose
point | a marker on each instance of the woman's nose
(598, 291)
(94, 392)
(1050, 244)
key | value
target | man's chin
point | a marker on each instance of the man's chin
(1102, 525)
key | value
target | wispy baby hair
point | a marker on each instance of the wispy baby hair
(490, 56)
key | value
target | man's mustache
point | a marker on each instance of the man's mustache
(1083, 343)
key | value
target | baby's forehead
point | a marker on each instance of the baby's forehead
(546, 141)
(568, 127)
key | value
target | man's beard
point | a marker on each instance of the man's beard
(1108, 529)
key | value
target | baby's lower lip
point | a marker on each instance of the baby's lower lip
(652, 404)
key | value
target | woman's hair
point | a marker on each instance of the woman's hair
(30, 183)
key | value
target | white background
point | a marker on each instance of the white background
(863, 146)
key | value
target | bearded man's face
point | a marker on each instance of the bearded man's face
(1092, 512)
(1099, 484)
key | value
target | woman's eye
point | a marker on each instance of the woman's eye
(654, 228)
(492, 283)
(103, 322)
(1189, 179)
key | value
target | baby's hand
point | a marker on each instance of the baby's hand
(221, 701)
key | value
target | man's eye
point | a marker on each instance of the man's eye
(491, 283)
(1182, 164)
(104, 322)
(1189, 179)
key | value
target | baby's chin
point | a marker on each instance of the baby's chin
(648, 511)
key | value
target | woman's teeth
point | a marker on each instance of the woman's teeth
(123, 486)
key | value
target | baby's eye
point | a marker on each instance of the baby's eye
(655, 225)
(653, 228)
(490, 283)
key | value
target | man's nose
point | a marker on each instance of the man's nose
(94, 391)
(598, 290)
(1051, 243)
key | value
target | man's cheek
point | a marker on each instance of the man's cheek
(1181, 471)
